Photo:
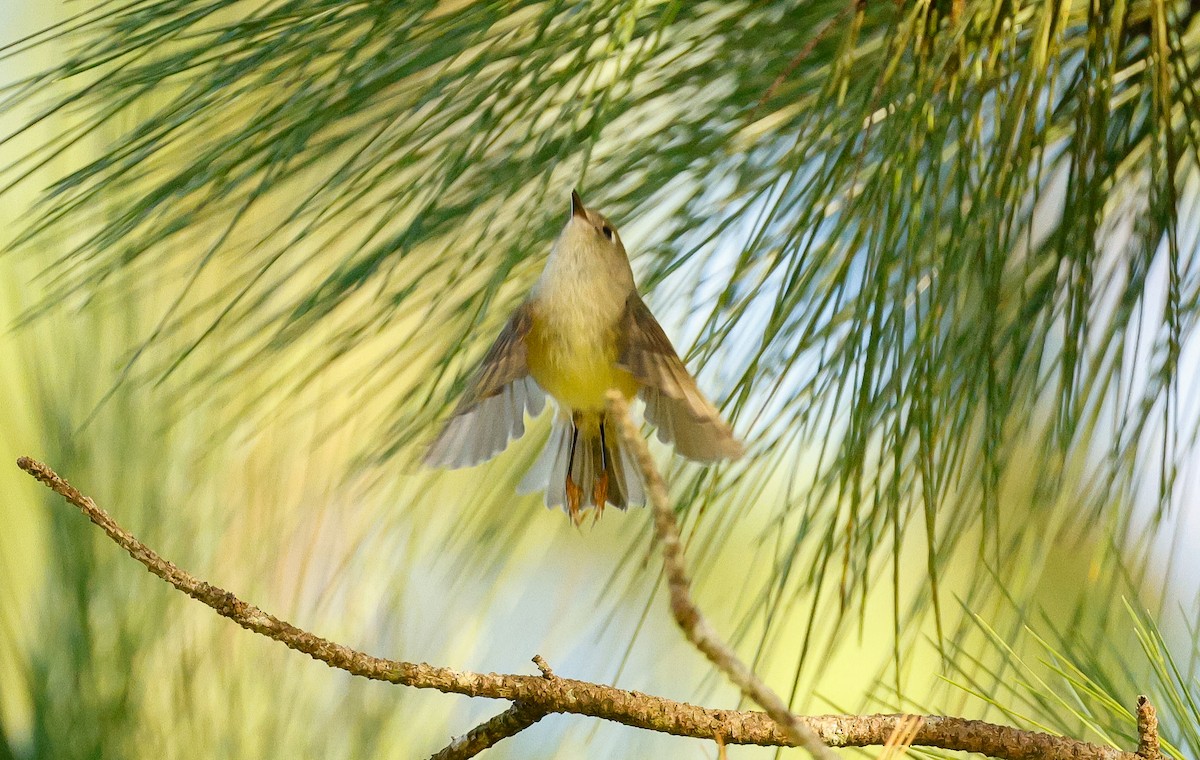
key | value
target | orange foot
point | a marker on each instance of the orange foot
(574, 496)
(600, 492)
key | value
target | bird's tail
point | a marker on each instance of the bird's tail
(585, 464)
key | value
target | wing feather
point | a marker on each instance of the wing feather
(491, 411)
(674, 403)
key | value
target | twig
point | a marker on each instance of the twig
(1147, 723)
(566, 695)
(693, 623)
(547, 673)
(512, 721)
(805, 52)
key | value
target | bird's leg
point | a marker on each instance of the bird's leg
(574, 497)
(574, 492)
(600, 493)
(600, 484)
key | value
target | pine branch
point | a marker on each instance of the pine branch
(564, 695)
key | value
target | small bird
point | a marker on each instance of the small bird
(582, 331)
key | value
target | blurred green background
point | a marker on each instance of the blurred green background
(936, 260)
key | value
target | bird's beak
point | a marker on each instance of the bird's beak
(577, 208)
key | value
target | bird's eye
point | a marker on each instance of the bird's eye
(608, 231)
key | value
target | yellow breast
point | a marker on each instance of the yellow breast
(574, 360)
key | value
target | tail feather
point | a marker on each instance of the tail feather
(627, 472)
(595, 453)
(586, 465)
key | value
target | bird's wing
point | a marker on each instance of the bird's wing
(491, 411)
(674, 404)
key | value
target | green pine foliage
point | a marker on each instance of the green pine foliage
(933, 258)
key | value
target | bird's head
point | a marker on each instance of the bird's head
(591, 233)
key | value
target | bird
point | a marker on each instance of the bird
(582, 331)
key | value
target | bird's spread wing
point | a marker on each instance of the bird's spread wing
(674, 404)
(491, 411)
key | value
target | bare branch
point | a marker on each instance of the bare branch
(898, 743)
(693, 623)
(566, 695)
(508, 723)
